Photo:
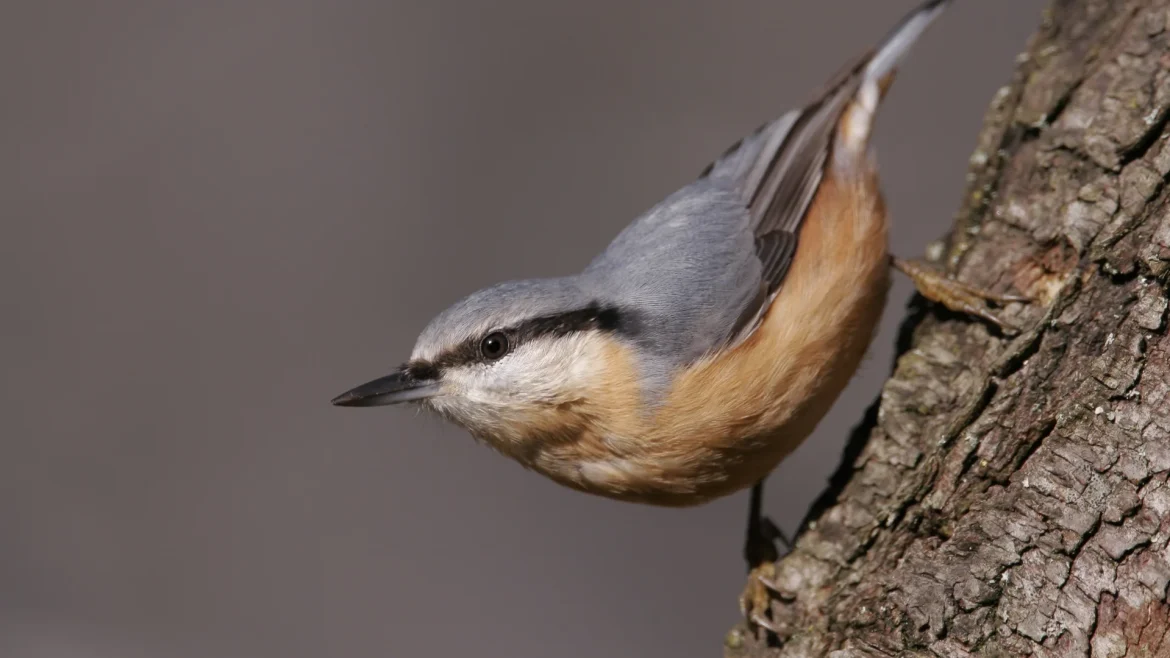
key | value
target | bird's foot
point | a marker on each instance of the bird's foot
(755, 601)
(760, 551)
(956, 295)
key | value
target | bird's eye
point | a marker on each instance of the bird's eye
(494, 346)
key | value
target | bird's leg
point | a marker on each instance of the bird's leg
(762, 533)
(760, 552)
(956, 295)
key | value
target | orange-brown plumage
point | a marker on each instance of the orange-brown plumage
(709, 339)
(711, 336)
(732, 417)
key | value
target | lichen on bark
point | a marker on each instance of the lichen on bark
(1010, 495)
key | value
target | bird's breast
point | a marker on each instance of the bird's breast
(729, 419)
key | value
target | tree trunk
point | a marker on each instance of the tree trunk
(1008, 496)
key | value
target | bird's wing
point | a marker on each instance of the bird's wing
(778, 170)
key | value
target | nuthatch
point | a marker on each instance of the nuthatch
(711, 336)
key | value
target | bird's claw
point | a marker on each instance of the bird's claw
(761, 554)
(755, 599)
(755, 602)
(958, 296)
(770, 584)
(767, 624)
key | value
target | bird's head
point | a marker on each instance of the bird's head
(511, 363)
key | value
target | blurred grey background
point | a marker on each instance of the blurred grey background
(217, 215)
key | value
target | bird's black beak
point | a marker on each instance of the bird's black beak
(401, 386)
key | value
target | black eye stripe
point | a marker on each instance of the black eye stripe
(422, 370)
(591, 318)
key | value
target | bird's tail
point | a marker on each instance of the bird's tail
(881, 65)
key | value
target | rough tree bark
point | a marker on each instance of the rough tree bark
(1009, 496)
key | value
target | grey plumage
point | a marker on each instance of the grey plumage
(702, 266)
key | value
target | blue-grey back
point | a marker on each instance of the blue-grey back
(690, 263)
(701, 268)
(686, 269)
(684, 273)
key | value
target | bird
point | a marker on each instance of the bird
(710, 337)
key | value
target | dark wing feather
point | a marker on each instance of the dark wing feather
(775, 251)
(778, 171)
(783, 182)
